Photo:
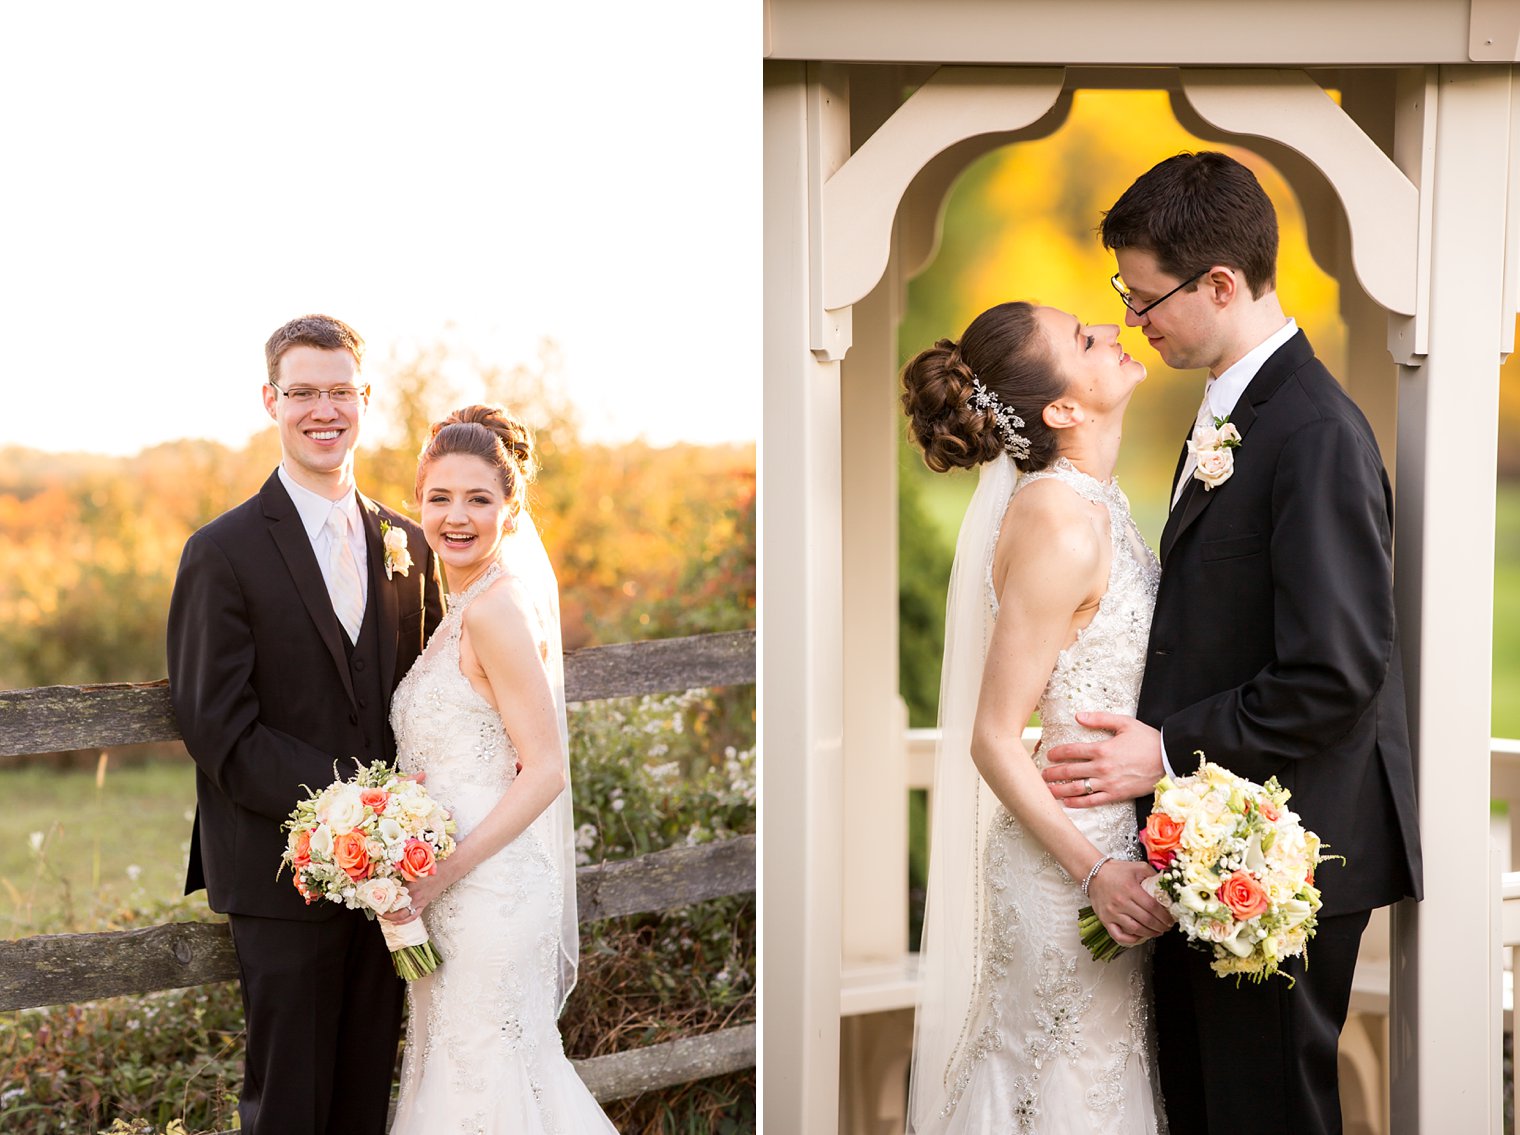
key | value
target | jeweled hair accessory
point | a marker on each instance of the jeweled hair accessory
(1008, 422)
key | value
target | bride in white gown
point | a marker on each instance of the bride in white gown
(1018, 1029)
(482, 713)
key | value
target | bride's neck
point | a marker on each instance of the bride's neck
(1093, 448)
(460, 582)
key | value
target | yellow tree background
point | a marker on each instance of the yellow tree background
(648, 541)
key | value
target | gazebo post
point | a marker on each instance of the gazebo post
(1444, 1048)
(802, 656)
(875, 755)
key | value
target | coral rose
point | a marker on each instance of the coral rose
(300, 849)
(350, 854)
(1268, 810)
(1161, 837)
(374, 799)
(417, 860)
(1245, 897)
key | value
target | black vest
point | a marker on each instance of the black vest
(373, 713)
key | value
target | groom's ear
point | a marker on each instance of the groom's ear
(1223, 284)
(1063, 415)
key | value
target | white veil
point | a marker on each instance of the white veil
(950, 954)
(525, 560)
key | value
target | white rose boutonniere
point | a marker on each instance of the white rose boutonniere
(1212, 447)
(397, 556)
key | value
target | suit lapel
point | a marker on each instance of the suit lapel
(381, 590)
(295, 548)
(1273, 373)
(1197, 496)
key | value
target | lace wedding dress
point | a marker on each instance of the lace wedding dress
(1049, 1040)
(483, 1053)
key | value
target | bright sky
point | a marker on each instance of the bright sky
(181, 178)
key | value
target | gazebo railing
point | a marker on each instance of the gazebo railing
(68, 968)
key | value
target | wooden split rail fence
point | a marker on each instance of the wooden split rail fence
(67, 968)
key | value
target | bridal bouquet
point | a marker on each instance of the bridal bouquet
(360, 841)
(1235, 867)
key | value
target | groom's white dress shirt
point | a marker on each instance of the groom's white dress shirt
(314, 511)
(1220, 396)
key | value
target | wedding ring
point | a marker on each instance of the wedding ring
(1087, 788)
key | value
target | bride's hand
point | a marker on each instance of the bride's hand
(1126, 908)
(422, 891)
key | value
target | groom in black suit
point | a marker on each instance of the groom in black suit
(289, 627)
(1272, 650)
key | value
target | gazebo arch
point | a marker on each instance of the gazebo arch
(1410, 184)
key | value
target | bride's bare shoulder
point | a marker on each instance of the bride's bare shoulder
(1050, 526)
(502, 612)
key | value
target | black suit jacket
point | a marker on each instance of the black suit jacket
(261, 685)
(1273, 648)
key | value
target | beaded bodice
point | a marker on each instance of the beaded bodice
(1102, 668)
(445, 728)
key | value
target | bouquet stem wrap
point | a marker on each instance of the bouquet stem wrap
(411, 950)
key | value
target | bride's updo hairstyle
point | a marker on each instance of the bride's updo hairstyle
(1006, 350)
(492, 434)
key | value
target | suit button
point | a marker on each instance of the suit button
(358, 664)
(363, 704)
(353, 719)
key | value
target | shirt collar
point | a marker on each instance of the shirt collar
(314, 509)
(1223, 392)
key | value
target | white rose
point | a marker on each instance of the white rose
(1215, 467)
(398, 556)
(1228, 433)
(379, 895)
(1204, 438)
(322, 842)
(342, 810)
(391, 831)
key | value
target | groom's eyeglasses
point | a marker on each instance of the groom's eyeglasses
(311, 395)
(1140, 312)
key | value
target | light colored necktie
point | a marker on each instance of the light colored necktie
(343, 575)
(1204, 417)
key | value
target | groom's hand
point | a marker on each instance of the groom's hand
(1085, 774)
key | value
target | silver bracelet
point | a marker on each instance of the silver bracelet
(1093, 874)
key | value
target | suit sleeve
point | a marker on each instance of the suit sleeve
(211, 662)
(1333, 618)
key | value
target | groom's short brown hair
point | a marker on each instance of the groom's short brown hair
(1194, 211)
(320, 331)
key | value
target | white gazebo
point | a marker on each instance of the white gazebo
(1397, 124)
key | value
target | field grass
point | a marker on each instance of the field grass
(106, 842)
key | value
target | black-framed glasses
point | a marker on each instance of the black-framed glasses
(1140, 312)
(311, 395)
